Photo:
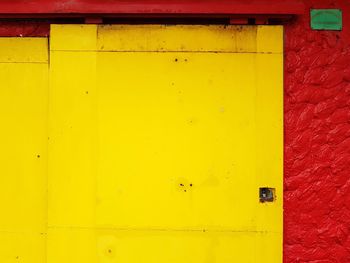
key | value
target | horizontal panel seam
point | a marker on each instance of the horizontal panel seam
(24, 62)
(155, 51)
(23, 232)
(161, 229)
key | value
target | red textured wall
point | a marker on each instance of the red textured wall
(317, 140)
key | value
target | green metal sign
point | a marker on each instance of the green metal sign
(326, 19)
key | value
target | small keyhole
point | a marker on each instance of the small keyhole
(266, 194)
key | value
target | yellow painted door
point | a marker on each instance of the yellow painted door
(160, 138)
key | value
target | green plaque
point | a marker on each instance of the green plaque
(326, 19)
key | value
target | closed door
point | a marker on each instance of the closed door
(164, 144)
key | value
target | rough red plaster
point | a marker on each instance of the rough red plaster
(317, 140)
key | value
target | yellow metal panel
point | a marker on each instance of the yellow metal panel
(162, 38)
(190, 130)
(23, 156)
(73, 139)
(159, 156)
(18, 246)
(23, 50)
(269, 39)
(111, 245)
(73, 37)
(269, 138)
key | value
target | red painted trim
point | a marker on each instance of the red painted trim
(50, 8)
(46, 12)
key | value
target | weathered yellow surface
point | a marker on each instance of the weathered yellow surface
(23, 50)
(148, 144)
(23, 155)
(160, 38)
(160, 138)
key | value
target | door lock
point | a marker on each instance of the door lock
(266, 194)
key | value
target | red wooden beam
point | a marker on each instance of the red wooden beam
(80, 8)
(18, 14)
